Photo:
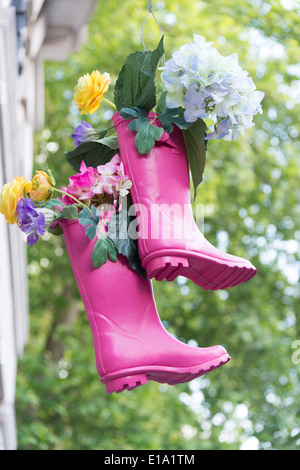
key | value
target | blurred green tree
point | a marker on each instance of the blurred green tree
(251, 196)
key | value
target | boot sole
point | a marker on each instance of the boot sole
(207, 272)
(129, 379)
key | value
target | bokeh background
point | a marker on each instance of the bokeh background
(251, 197)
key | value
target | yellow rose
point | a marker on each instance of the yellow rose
(89, 91)
(10, 196)
(42, 186)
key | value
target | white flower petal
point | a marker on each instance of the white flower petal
(225, 89)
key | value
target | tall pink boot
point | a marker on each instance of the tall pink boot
(131, 344)
(170, 243)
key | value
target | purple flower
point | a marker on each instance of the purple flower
(194, 103)
(30, 220)
(222, 129)
(83, 133)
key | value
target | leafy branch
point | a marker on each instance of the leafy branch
(119, 233)
(104, 248)
(135, 85)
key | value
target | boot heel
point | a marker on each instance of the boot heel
(166, 267)
(125, 383)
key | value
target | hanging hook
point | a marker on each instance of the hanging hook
(150, 12)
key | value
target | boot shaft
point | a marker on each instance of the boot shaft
(111, 289)
(160, 176)
(170, 243)
(160, 191)
(131, 344)
(119, 304)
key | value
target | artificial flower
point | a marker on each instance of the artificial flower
(84, 133)
(30, 220)
(194, 103)
(211, 87)
(123, 185)
(113, 179)
(10, 196)
(42, 186)
(81, 184)
(91, 183)
(90, 90)
(107, 181)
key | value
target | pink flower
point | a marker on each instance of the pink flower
(108, 171)
(90, 183)
(122, 185)
(123, 182)
(109, 175)
(81, 184)
(68, 201)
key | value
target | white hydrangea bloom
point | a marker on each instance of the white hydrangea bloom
(211, 87)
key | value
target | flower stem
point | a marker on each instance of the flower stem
(153, 120)
(72, 197)
(109, 102)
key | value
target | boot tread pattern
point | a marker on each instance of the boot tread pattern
(208, 274)
(174, 377)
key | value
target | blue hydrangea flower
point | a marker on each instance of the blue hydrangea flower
(222, 130)
(31, 221)
(194, 103)
(83, 133)
(211, 87)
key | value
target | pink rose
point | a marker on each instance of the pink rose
(109, 179)
(81, 184)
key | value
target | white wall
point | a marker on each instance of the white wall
(13, 286)
(54, 29)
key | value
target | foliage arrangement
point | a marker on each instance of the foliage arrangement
(205, 94)
(208, 96)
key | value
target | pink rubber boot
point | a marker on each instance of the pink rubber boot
(170, 243)
(131, 344)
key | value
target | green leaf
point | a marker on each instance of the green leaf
(95, 212)
(136, 124)
(146, 137)
(173, 116)
(161, 105)
(70, 212)
(90, 221)
(84, 222)
(92, 153)
(137, 116)
(91, 231)
(53, 202)
(56, 230)
(135, 85)
(104, 249)
(195, 147)
(85, 213)
(52, 180)
(130, 113)
(101, 133)
(125, 245)
(111, 142)
(86, 217)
